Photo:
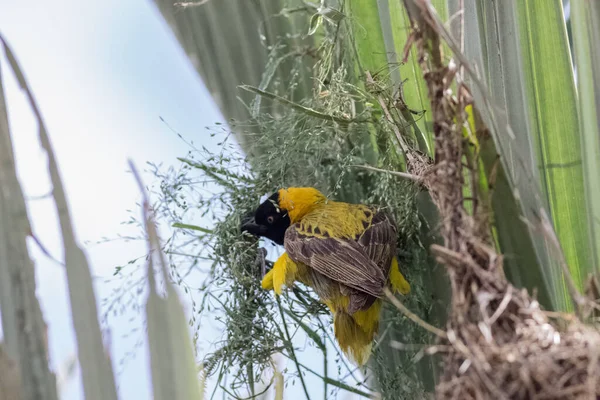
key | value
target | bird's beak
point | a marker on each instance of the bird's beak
(253, 228)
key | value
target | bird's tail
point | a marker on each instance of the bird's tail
(355, 333)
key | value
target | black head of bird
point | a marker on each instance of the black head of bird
(269, 221)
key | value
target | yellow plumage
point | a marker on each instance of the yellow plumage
(397, 281)
(355, 332)
(345, 252)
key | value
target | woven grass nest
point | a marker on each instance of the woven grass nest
(500, 344)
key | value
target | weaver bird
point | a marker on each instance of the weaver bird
(345, 252)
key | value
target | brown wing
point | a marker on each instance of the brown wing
(379, 241)
(360, 263)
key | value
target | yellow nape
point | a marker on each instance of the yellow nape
(397, 281)
(320, 217)
(336, 219)
(299, 201)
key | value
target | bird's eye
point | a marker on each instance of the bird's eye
(270, 219)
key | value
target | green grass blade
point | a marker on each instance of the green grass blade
(552, 104)
(490, 40)
(172, 361)
(585, 18)
(23, 327)
(525, 264)
(311, 333)
(368, 38)
(410, 79)
(192, 227)
(174, 375)
(97, 373)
